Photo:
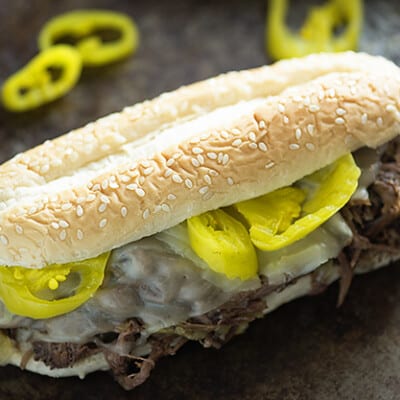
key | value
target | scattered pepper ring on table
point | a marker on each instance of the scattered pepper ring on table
(317, 34)
(48, 76)
(86, 30)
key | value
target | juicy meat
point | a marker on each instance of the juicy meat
(62, 355)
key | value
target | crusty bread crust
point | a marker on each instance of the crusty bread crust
(201, 147)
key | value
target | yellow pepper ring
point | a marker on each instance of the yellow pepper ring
(327, 190)
(317, 33)
(24, 291)
(223, 243)
(84, 27)
(45, 78)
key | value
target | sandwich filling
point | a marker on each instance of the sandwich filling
(161, 291)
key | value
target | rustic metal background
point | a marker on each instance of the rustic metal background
(307, 349)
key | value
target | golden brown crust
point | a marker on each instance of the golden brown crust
(158, 163)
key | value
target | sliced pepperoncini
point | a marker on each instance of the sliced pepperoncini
(101, 37)
(51, 291)
(286, 215)
(45, 78)
(223, 243)
(317, 33)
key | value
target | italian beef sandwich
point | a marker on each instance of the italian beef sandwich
(188, 216)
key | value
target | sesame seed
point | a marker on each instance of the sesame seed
(364, 119)
(103, 223)
(297, 133)
(237, 142)
(148, 171)
(285, 119)
(145, 163)
(225, 159)
(114, 185)
(19, 229)
(225, 134)
(339, 121)
(140, 192)
(90, 197)
(45, 168)
(253, 145)
(262, 124)
(195, 162)
(63, 224)
(79, 234)
(340, 111)
(104, 199)
(96, 187)
(379, 121)
(262, 146)
(294, 146)
(297, 98)
(32, 210)
(220, 157)
(170, 162)
(197, 150)
(167, 173)
(281, 108)
(165, 207)
(203, 190)
(310, 129)
(79, 211)
(146, 213)
(269, 165)
(157, 209)
(321, 94)
(188, 183)
(314, 108)
(171, 196)
(131, 186)
(212, 156)
(104, 184)
(252, 136)
(4, 240)
(390, 108)
(310, 146)
(177, 155)
(195, 141)
(90, 185)
(213, 172)
(207, 196)
(207, 179)
(176, 178)
(124, 178)
(331, 92)
(124, 212)
(200, 158)
(236, 131)
(63, 234)
(55, 225)
(141, 180)
(66, 206)
(230, 181)
(102, 207)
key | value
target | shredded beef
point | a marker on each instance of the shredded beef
(375, 227)
(375, 224)
(62, 355)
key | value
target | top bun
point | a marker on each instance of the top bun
(203, 146)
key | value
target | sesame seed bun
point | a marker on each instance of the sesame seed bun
(204, 146)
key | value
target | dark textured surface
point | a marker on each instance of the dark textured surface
(305, 350)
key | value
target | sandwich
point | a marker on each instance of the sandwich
(186, 217)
